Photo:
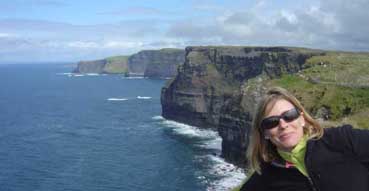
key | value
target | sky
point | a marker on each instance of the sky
(74, 30)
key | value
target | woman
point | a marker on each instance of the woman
(289, 150)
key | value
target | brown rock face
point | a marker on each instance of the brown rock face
(218, 88)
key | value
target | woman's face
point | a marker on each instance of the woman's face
(286, 135)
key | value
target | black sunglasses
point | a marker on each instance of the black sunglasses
(273, 121)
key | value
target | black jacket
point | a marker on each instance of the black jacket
(336, 162)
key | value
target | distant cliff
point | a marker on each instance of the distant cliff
(164, 63)
(96, 66)
(150, 63)
(111, 65)
(218, 88)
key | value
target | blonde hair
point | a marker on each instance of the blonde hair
(261, 150)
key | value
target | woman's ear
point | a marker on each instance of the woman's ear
(302, 119)
(266, 135)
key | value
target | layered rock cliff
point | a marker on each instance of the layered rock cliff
(150, 63)
(218, 88)
(95, 66)
(156, 63)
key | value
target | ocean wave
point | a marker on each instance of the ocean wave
(231, 176)
(93, 74)
(158, 117)
(64, 74)
(76, 75)
(191, 131)
(227, 175)
(134, 77)
(117, 99)
(143, 97)
(69, 74)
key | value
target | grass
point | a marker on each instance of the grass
(345, 104)
(117, 64)
(350, 69)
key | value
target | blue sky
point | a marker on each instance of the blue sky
(73, 30)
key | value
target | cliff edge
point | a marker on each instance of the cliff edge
(218, 88)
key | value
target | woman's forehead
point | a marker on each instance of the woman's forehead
(277, 107)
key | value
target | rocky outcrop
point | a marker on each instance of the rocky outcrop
(218, 88)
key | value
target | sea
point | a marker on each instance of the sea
(62, 131)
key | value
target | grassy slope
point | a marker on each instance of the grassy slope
(117, 64)
(338, 81)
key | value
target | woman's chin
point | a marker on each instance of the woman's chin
(289, 144)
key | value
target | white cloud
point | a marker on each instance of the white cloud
(122, 44)
(82, 44)
(5, 35)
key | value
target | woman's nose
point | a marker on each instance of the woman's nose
(282, 123)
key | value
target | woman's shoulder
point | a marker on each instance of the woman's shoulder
(337, 135)
(344, 137)
(343, 129)
(344, 132)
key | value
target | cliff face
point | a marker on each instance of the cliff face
(164, 63)
(96, 66)
(150, 63)
(156, 63)
(116, 65)
(218, 87)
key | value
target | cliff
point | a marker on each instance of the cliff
(150, 63)
(110, 65)
(165, 63)
(96, 66)
(116, 65)
(218, 88)
(156, 63)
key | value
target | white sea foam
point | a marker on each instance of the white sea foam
(231, 176)
(76, 75)
(191, 131)
(134, 77)
(158, 118)
(143, 97)
(92, 74)
(215, 143)
(228, 175)
(117, 99)
(64, 74)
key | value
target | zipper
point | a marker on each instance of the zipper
(311, 183)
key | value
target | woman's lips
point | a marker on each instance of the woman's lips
(285, 136)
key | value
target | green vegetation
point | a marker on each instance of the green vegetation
(171, 50)
(350, 69)
(337, 82)
(117, 65)
(344, 104)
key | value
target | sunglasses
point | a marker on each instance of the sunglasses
(273, 121)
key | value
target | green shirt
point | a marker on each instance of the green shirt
(297, 156)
